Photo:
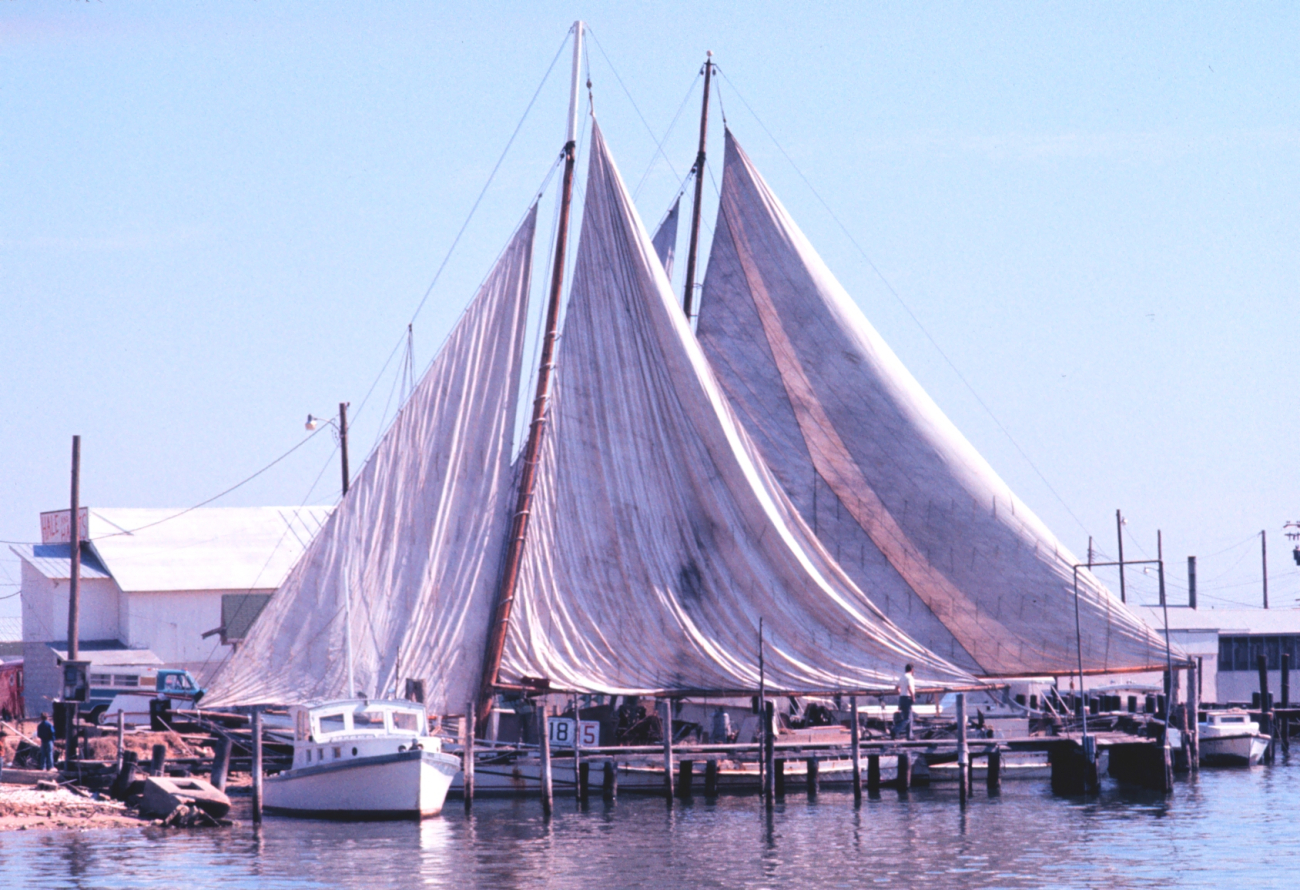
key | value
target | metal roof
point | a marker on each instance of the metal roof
(54, 561)
(11, 630)
(210, 548)
(107, 654)
(1243, 620)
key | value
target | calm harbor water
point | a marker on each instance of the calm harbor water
(1230, 829)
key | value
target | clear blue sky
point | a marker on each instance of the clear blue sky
(218, 218)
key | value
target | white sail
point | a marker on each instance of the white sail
(657, 539)
(417, 543)
(665, 239)
(897, 495)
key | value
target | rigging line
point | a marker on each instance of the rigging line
(659, 148)
(214, 497)
(491, 176)
(626, 92)
(908, 310)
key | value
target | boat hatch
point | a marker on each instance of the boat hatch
(1228, 718)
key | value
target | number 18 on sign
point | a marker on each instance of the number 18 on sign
(562, 732)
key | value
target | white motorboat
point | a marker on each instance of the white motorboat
(1231, 738)
(359, 759)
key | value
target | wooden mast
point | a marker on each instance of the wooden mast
(519, 526)
(688, 298)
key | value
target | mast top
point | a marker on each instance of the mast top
(573, 95)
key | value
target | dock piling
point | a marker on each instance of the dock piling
(121, 737)
(873, 774)
(778, 783)
(609, 787)
(855, 734)
(769, 750)
(1192, 730)
(257, 765)
(544, 747)
(467, 757)
(221, 762)
(158, 762)
(668, 750)
(1265, 715)
(711, 778)
(584, 781)
(904, 770)
(993, 781)
(963, 749)
(813, 777)
(685, 778)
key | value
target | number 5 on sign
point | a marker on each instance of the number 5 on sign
(562, 731)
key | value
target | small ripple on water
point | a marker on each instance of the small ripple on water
(1225, 828)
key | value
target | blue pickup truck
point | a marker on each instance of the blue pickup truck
(130, 688)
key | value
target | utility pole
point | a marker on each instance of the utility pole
(1191, 581)
(688, 298)
(74, 544)
(1160, 555)
(343, 442)
(1263, 561)
(1119, 534)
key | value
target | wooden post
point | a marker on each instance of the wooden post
(121, 737)
(1263, 561)
(904, 770)
(1192, 730)
(711, 778)
(1119, 535)
(668, 749)
(1168, 767)
(584, 781)
(257, 765)
(855, 733)
(686, 775)
(609, 789)
(343, 446)
(577, 752)
(1286, 679)
(1265, 712)
(74, 551)
(544, 748)
(769, 749)
(873, 773)
(814, 777)
(467, 755)
(963, 749)
(778, 778)
(158, 763)
(221, 763)
(993, 781)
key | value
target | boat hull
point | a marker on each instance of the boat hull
(407, 785)
(1233, 750)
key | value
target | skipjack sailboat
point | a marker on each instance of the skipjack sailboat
(647, 529)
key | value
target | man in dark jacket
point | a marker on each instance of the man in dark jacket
(45, 733)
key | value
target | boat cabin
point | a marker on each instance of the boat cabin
(357, 728)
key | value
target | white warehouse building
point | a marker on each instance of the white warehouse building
(170, 585)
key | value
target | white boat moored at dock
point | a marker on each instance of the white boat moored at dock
(359, 759)
(1229, 738)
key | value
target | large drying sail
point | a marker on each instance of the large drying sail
(658, 539)
(417, 542)
(897, 495)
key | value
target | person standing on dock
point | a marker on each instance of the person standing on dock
(45, 734)
(906, 696)
(721, 733)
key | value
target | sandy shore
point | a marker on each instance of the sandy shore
(22, 807)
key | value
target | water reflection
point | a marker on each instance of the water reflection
(1025, 838)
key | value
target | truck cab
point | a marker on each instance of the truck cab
(130, 688)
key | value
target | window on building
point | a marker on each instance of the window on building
(1241, 653)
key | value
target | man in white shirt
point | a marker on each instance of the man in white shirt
(906, 696)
